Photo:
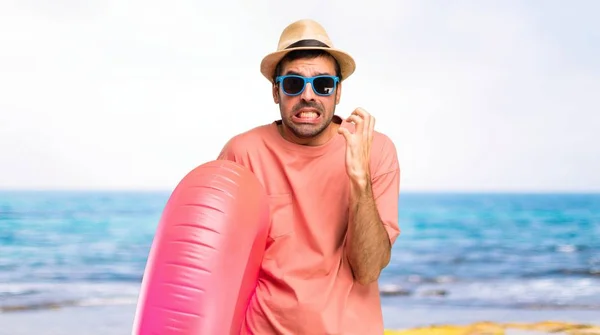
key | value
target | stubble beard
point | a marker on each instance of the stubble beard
(307, 130)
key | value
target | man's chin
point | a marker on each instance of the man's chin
(306, 131)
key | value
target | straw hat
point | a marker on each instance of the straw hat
(305, 34)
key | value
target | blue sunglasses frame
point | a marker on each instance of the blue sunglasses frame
(306, 80)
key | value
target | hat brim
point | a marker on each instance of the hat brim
(270, 61)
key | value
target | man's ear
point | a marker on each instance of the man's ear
(276, 93)
(338, 93)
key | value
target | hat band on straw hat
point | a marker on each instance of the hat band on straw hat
(307, 43)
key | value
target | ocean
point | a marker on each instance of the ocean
(517, 251)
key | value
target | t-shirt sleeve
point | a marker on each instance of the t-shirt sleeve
(386, 189)
(237, 150)
(232, 151)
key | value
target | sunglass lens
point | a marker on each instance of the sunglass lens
(293, 85)
(324, 85)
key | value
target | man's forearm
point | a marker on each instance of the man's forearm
(368, 245)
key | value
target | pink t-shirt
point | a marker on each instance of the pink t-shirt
(306, 284)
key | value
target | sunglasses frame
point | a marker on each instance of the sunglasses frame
(279, 80)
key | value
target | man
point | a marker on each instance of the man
(333, 187)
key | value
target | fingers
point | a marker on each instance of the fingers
(345, 132)
(359, 116)
(358, 122)
(371, 128)
(365, 123)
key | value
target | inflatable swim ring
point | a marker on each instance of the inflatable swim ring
(203, 265)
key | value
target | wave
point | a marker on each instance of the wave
(42, 296)
(534, 293)
(579, 272)
(68, 303)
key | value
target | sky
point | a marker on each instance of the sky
(476, 95)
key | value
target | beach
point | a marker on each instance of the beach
(118, 319)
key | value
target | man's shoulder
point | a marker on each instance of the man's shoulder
(384, 143)
(383, 139)
(385, 152)
(250, 136)
(243, 142)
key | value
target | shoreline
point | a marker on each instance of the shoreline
(405, 320)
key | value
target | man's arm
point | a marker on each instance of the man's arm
(369, 239)
(373, 209)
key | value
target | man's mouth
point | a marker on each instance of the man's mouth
(308, 114)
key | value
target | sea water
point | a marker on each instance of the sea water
(457, 250)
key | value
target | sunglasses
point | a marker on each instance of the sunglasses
(294, 85)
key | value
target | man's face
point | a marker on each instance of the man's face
(307, 116)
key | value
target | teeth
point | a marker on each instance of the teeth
(311, 115)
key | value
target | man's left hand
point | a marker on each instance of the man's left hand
(358, 146)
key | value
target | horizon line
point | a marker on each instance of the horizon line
(412, 190)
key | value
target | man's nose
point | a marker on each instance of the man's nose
(308, 94)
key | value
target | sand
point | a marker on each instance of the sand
(117, 319)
